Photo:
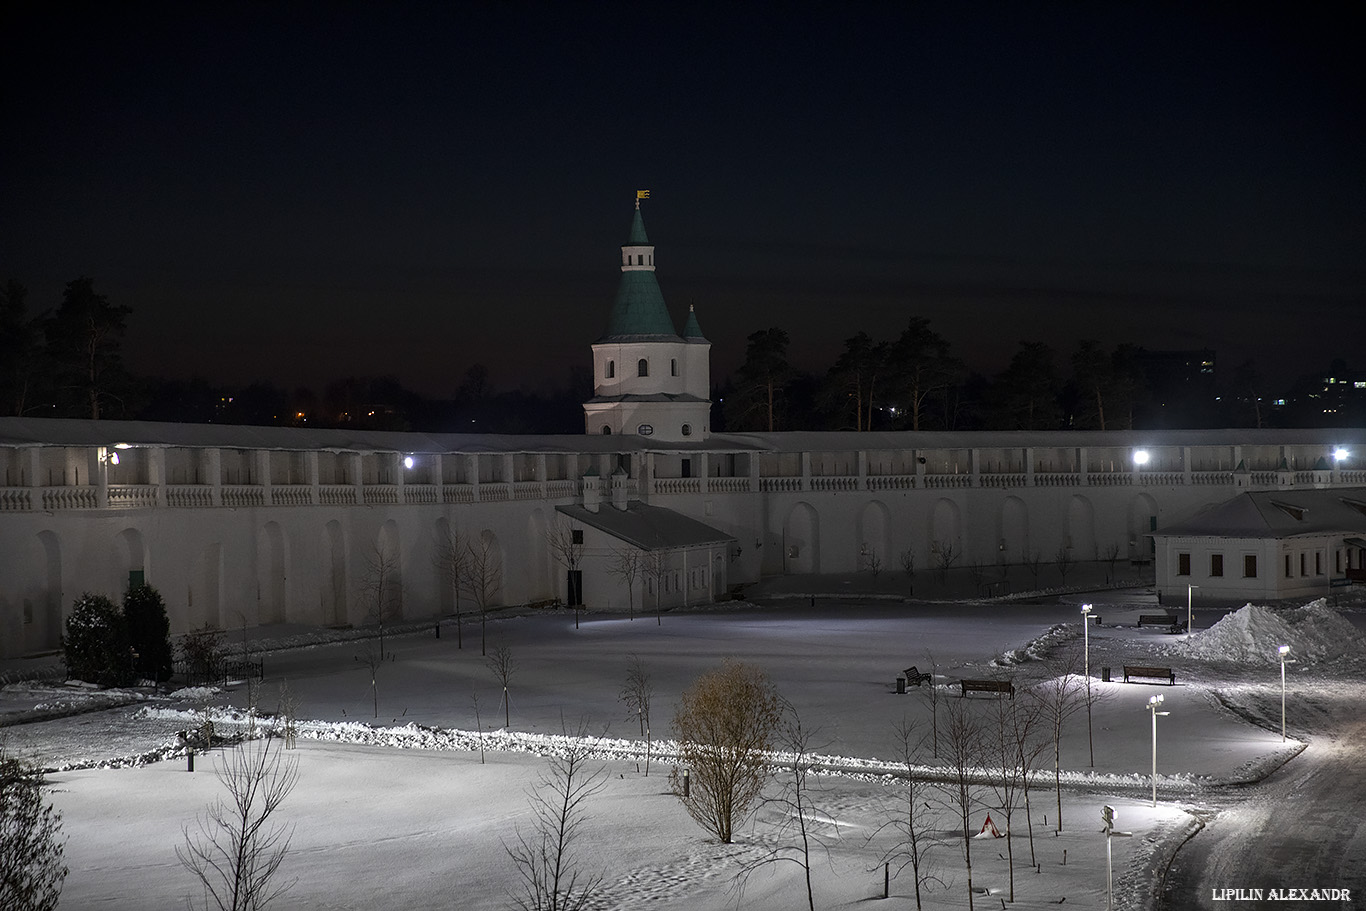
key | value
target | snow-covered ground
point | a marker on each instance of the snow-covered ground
(399, 811)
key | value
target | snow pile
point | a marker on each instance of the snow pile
(1253, 634)
(195, 693)
(1037, 648)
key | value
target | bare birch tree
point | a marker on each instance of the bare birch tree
(628, 565)
(655, 566)
(566, 546)
(915, 838)
(637, 693)
(1061, 696)
(945, 555)
(236, 850)
(963, 747)
(549, 875)
(483, 581)
(502, 667)
(381, 590)
(452, 560)
(1062, 559)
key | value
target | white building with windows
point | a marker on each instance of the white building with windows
(269, 525)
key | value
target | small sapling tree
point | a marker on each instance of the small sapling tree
(381, 590)
(725, 724)
(31, 843)
(636, 693)
(483, 581)
(452, 559)
(502, 667)
(627, 565)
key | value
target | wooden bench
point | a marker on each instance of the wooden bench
(988, 686)
(1153, 672)
(915, 678)
(1173, 623)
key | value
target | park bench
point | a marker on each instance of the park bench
(988, 686)
(1131, 670)
(1170, 621)
(915, 678)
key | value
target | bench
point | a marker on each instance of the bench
(915, 678)
(988, 686)
(1170, 621)
(1153, 672)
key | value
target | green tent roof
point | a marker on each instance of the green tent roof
(639, 308)
(691, 328)
(637, 231)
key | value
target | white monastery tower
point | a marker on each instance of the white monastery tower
(648, 379)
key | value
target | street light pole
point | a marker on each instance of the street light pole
(1190, 596)
(1086, 637)
(1283, 650)
(1153, 703)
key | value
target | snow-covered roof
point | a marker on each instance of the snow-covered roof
(648, 527)
(1278, 514)
(835, 441)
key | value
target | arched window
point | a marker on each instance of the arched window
(611, 369)
(642, 367)
(673, 366)
(606, 431)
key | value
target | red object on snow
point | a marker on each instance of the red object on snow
(990, 826)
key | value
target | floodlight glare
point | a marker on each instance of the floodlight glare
(407, 461)
(1340, 454)
(1141, 457)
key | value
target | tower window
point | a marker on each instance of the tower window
(611, 369)
(642, 367)
(687, 432)
(606, 431)
(640, 259)
(673, 366)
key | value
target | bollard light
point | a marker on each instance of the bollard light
(1283, 650)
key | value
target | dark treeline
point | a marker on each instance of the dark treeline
(67, 362)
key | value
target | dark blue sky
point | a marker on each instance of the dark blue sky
(316, 190)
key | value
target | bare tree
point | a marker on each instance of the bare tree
(977, 573)
(655, 565)
(724, 724)
(502, 667)
(549, 877)
(963, 743)
(628, 565)
(1008, 730)
(945, 555)
(1060, 697)
(796, 834)
(237, 850)
(636, 693)
(372, 660)
(1111, 554)
(908, 562)
(31, 846)
(1034, 562)
(478, 726)
(288, 711)
(483, 581)
(452, 561)
(932, 694)
(914, 834)
(381, 590)
(1028, 730)
(566, 546)
(873, 563)
(1062, 559)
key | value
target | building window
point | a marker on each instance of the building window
(1318, 562)
(687, 430)
(606, 431)
(1216, 565)
(576, 536)
(1183, 564)
(1337, 562)
(611, 369)
(1249, 566)
(1302, 572)
(642, 367)
(1288, 572)
(685, 466)
(673, 366)
(640, 259)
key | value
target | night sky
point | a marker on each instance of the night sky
(301, 192)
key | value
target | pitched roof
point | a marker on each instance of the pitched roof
(637, 237)
(647, 527)
(1278, 514)
(692, 331)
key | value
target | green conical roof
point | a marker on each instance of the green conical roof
(639, 308)
(691, 328)
(637, 232)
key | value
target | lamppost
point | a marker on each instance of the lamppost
(1086, 638)
(1153, 703)
(1107, 816)
(1190, 596)
(1283, 650)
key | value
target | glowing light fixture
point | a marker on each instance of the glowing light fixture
(407, 461)
(1340, 454)
(1141, 457)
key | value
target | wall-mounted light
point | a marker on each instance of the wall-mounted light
(407, 461)
(1340, 454)
(1141, 457)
